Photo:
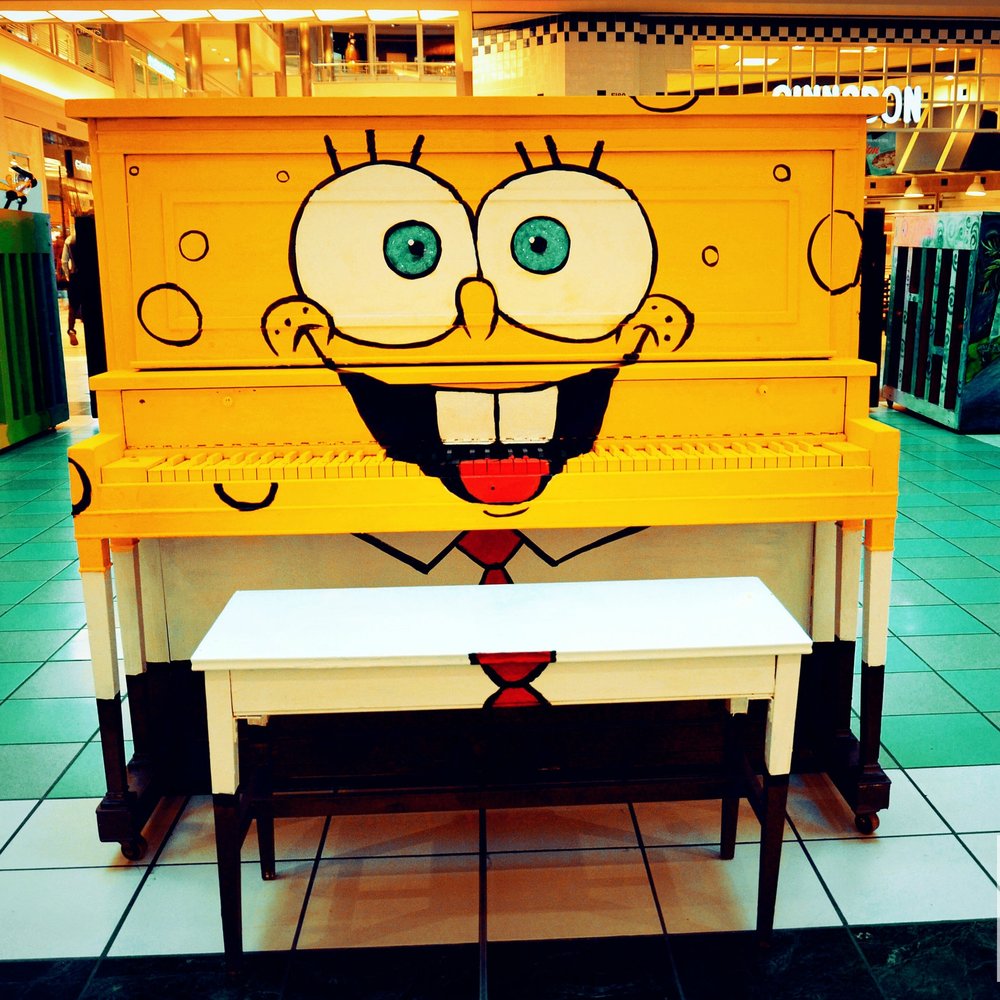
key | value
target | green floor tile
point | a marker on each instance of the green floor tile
(981, 687)
(994, 717)
(39, 645)
(957, 490)
(927, 474)
(915, 592)
(59, 679)
(957, 652)
(13, 591)
(28, 617)
(922, 693)
(941, 740)
(910, 547)
(965, 528)
(6, 548)
(30, 518)
(965, 592)
(12, 535)
(979, 546)
(900, 572)
(47, 720)
(40, 551)
(988, 614)
(71, 572)
(900, 659)
(84, 779)
(29, 770)
(13, 675)
(61, 507)
(20, 494)
(948, 568)
(906, 528)
(57, 592)
(58, 533)
(15, 570)
(920, 499)
(988, 511)
(944, 513)
(944, 619)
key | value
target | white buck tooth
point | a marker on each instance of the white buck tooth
(528, 417)
(466, 417)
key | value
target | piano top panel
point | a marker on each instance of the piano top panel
(270, 232)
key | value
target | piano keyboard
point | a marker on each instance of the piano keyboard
(665, 455)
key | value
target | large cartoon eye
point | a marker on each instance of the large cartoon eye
(412, 249)
(569, 252)
(382, 248)
(540, 245)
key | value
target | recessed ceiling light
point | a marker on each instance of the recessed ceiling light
(170, 14)
(438, 15)
(328, 14)
(391, 15)
(88, 16)
(26, 16)
(756, 61)
(277, 14)
(235, 15)
(127, 16)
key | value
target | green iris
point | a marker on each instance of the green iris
(540, 245)
(412, 249)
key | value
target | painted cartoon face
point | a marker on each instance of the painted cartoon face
(389, 258)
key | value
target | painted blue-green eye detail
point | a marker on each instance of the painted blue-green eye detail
(540, 245)
(412, 249)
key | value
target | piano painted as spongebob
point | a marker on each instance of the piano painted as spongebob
(424, 342)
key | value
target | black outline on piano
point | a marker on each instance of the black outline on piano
(246, 505)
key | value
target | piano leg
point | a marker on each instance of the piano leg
(875, 628)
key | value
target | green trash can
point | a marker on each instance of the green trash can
(32, 376)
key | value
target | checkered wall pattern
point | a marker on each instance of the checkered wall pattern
(674, 31)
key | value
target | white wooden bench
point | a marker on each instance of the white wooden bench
(300, 652)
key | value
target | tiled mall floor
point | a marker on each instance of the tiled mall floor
(600, 901)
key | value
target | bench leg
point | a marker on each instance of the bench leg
(771, 829)
(731, 799)
(228, 840)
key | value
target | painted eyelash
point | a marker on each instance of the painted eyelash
(550, 145)
(331, 151)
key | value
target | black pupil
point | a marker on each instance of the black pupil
(416, 248)
(539, 244)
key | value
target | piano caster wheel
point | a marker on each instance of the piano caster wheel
(866, 822)
(135, 850)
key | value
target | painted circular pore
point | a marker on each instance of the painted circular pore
(170, 315)
(193, 245)
(840, 270)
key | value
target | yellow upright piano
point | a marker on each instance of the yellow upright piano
(420, 342)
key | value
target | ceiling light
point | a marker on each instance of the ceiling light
(127, 16)
(977, 189)
(391, 15)
(723, 48)
(277, 14)
(235, 15)
(755, 61)
(83, 16)
(438, 15)
(26, 16)
(328, 14)
(171, 14)
(871, 48)
(851, 52)
(913, 189)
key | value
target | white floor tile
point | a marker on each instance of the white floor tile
(12, 813)
(193, 839)
(566, 828)
(899, 879)
(700, 892)
(985, 846)
(177, 912)
(967, 797)
(565, 894)
(402, 835)
(818, 811)
(62, 912)
(379, 902)
(62, 833)
(672, 824)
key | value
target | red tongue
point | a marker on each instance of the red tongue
(503, 480)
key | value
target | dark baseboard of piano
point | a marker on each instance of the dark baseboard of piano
(494, 758)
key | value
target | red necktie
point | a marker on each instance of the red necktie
(511, 672)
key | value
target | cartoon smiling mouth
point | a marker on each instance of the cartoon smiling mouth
(486, 446)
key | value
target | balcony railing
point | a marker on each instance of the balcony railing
(383, 72)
